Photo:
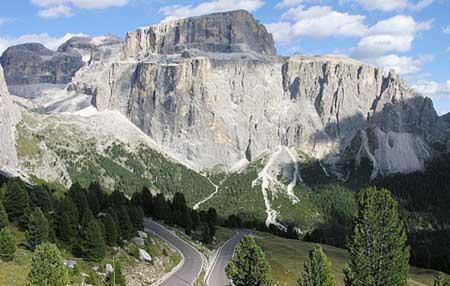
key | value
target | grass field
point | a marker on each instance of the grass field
(286, 258)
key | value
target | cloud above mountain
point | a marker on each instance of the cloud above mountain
(174, 12)
(64, 8)
(49, 41)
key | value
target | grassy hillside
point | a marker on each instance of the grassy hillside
(287, 257)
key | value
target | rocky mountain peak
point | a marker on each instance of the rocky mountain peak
(226, 32)
(93, 47)
(33, 63)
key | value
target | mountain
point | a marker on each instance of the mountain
(209, 95)
(33, 63)
(225, 105)
(9, 116)
(446, 117)
(92, 48)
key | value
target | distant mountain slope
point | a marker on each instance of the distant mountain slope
(91, 146)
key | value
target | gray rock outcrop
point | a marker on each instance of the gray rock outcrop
(446, 117)
(96, 48)
(144, 256)
(9, 116)
(235, 31)
(33, 63)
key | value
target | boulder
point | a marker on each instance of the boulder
(109, 268)
(138, 241)
(144, 256)
(142, 234)
(70, 263)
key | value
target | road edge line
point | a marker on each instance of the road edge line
(217, 257)
(179, 264)
(175, 269)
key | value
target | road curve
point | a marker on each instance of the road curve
(217, 275)
(192, 262)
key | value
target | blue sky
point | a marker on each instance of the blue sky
(411, 36)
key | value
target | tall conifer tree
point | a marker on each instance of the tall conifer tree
(378, 251)
(249, 266)
(38, 229)
(316, 269)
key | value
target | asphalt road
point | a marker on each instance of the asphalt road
(188, 273)
(217, 276)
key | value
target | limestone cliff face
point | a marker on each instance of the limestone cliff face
(9, 116)
(95, 48)
(33, 63)
(186, 86)
(217, 112)
(235, 31)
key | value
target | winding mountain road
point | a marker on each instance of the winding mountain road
(192, 263)
(217, 275)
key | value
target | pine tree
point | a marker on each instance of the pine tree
(93, 202)
(68, 220)
(38, 229)
(40, 197)
(206, 237)
(126, 227)
(147, 201)
(249, 266)
(16, 200)
(195, 219)
(377, 247)
(111, 230)
(7, 245)
(94, 244)
(439, 280)
(316, 269)
(78, 196)
(3, 216)
(212, 222)
(47, 267)
(160, 208)
(137, 216)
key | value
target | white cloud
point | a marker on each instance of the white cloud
(281, 31)
(421, 5)
(394, 5)
(433, 89)
(183, 11)
(98, 4)
(317, 22)
(56, 12)
(446, 29)
(288, 3)
(5, 21)
(59, 8)
(48, 3)
(50, 42)
(394, 34)
(383, 5)
(403, 65)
